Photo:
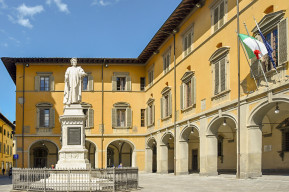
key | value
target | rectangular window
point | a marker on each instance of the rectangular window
(272, 39)
(121, 118)
(44, 83)
(166, 103)
(218, 15)
(120, 83)
(188, 93)
(7, 149)
(8, 134)
(220, 76)
(187, 42)
(167, 60)
(44, 117)
(142, 83)
(151, 76)
(85, 83)
(142, 117)
(151, 114)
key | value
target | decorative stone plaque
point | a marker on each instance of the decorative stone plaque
(74, 135)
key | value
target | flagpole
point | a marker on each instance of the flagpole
(239, 119)
(258, 59)
(248, 62)
(274, 66)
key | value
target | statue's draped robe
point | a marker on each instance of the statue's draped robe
(72, 89)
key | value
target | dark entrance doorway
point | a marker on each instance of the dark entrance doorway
(40, 157)
(195, 160)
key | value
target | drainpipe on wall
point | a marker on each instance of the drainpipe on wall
(23, 114)
(102, 109)
(175, 105)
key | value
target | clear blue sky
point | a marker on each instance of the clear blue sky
(75, 28)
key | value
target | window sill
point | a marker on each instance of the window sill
(121, 127)
(166, 118)
(221, 94)
(187, 109)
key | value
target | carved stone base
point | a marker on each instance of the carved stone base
(73, 154)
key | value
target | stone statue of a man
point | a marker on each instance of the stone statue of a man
(72, 89)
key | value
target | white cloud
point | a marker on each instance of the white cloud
(61, 6)
(3, 4)
(24, 13)
(104, 2)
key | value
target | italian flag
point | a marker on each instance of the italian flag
(253, 46)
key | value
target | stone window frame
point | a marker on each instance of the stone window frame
(89, 112)
(218, 60)
(142, 117)
(221, 21)
(150, 112)
(128, 118)
(167, 60)
(37, 81)
(127, 79)
(267, 24)
(166, 103)
(43, 106)
(151, 75)
(90, 82)
(189, 76)
(187, 38)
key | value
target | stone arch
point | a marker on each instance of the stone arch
(150, 141)
(38, 141)
(216, 121)
(165, 137)
(130, 143)
(95, 163)
(151, 155)
(258, 112)
(188, 128)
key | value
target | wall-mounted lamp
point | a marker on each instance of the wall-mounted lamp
(170, 137)
(27, 64)
(156, 52)
(277, 110)
(192, 131)
(198, 5)
(225, 122)
(106, 65)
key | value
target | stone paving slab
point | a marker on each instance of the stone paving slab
(226, 183)
(150, 182)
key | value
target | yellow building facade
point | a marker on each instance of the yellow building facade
(175, 107)
(7, 145)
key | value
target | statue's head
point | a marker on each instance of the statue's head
(73, 61)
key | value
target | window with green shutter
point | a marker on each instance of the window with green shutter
(166, 103)
(44, 81)
(121, 115)
(167, 60)
(218, 9)
(188, 90)
(89, 112)
(45, 116)
(188, 41)
(275, 30)
(150, 112)
(121, 81)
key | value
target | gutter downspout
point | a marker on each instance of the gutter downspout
(175, 105)
(102, 110)
(23, 114)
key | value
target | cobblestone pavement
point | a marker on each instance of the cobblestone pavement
(149, 182)
(223, 183)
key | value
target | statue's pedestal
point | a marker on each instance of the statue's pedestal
(73, 154)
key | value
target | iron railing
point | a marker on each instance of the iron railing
(44, 179)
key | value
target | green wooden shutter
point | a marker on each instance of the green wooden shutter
(147, 117)
(128, 83)
(216, 18)
(193, 90)
(51, 117)
(189, 42)
(37, 117)
(222, 11)
(153, 114)
(283, 41)
(170, 103)
(37, 83)
(90, 83)
(113, 117)
(128, 117)
(51, 78)
(182, 95)
(216, 78)
(41, 117)
(162, 107)
(114, 83)
(223, 74)
(90, 117)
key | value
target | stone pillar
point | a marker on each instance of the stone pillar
(73, 154)
(182, 167)
(254, 151)
(149, 160)
(163, 163)
(203, 144)
(212, 155)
